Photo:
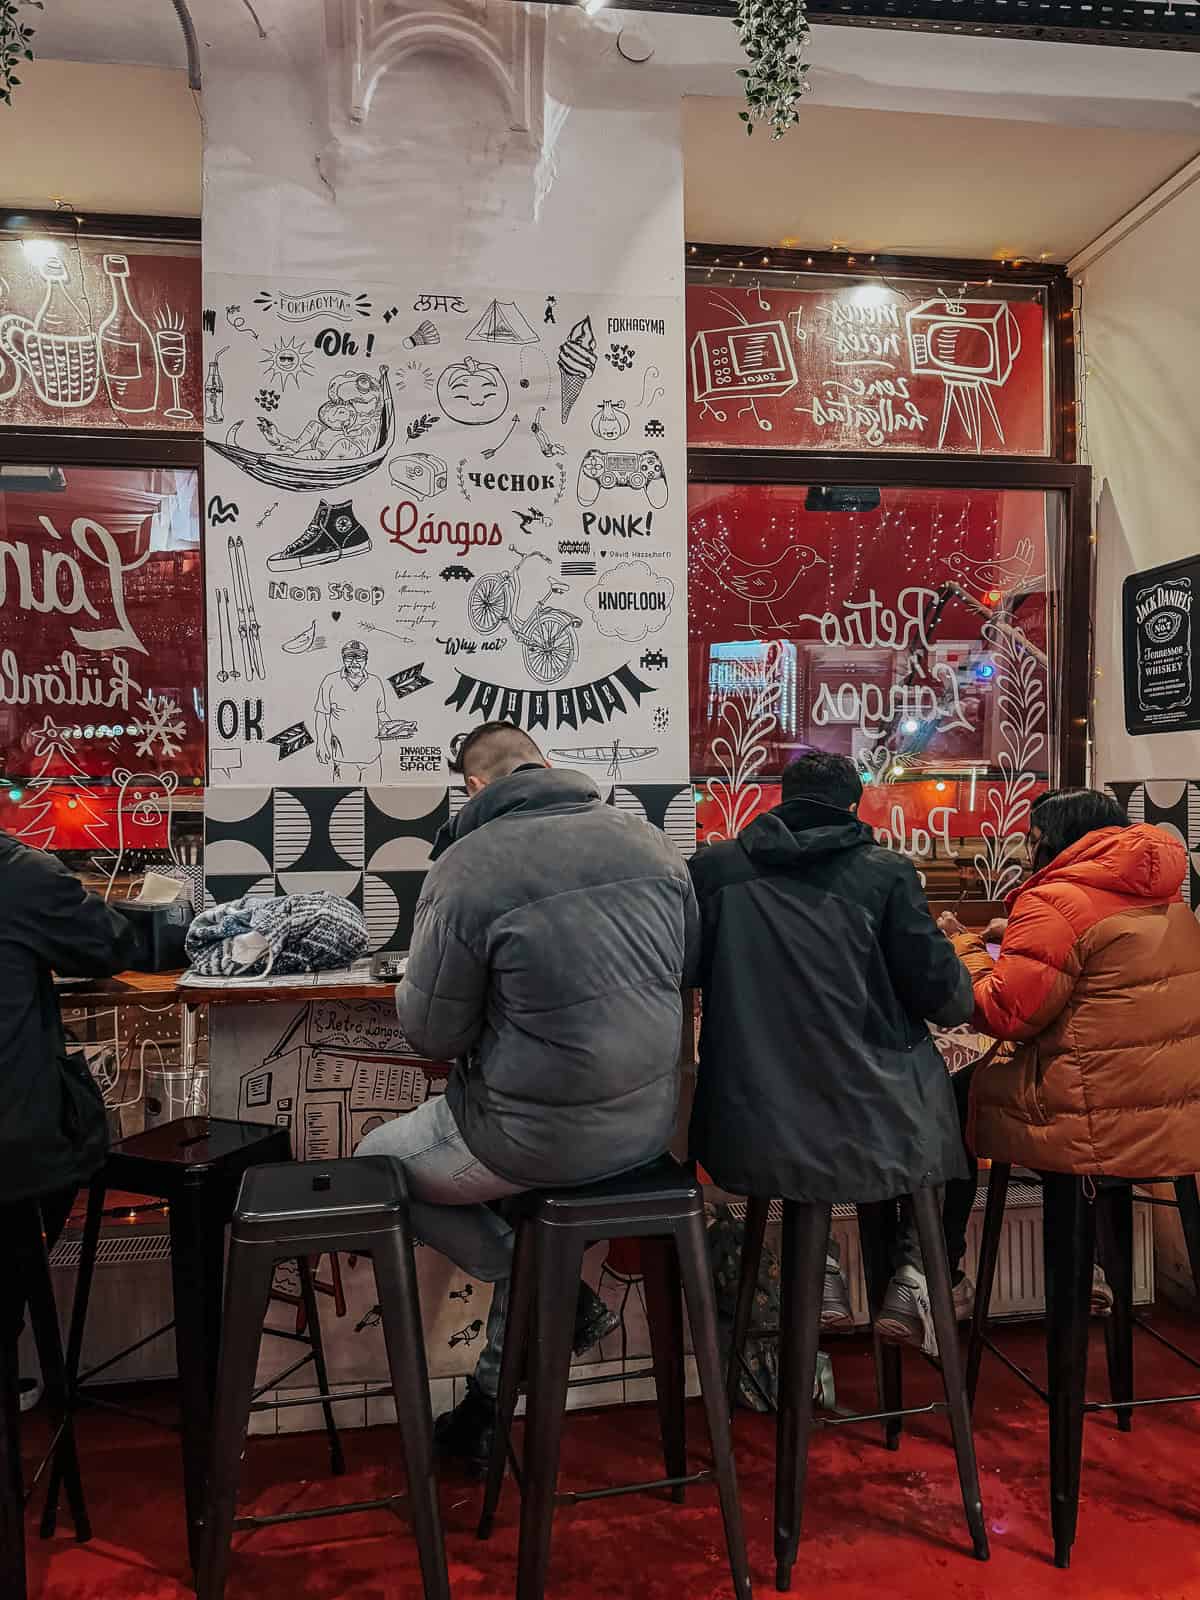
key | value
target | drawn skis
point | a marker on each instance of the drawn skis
(228, 658)
(249, 630)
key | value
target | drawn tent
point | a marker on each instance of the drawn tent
(326, 1091)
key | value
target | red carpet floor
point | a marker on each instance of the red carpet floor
(876, 1523)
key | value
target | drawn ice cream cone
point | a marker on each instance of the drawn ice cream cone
(576, 363)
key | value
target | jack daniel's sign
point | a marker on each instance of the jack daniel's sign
(1162, 669)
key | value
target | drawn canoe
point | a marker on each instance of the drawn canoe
(289, 472)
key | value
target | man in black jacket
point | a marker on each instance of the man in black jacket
(53, 1135)
(549, 949)
(821, 964)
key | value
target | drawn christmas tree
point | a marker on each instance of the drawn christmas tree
(54, 747)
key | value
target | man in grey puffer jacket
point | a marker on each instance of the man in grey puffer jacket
(551, 943)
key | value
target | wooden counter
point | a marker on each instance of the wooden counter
(164, 988)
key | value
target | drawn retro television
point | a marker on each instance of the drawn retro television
(972, 346)
(746, 360)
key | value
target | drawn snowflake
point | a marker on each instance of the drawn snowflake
(654, 429)
(162, 722)
(268, 399)
(620, 356)
(662, 719)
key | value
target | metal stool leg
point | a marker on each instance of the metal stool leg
(43, 1318)
(312, 1316)
(989, 1252)
(752, 1248)
(877, 1234)
(1069, 1224)
(941, 1300)
(197, 1264)
(513, 1363)
(805, 1242)
(1114, 1229)
(396, 1281)
(692, 1244)
(1188, 1200)
(664, 1314)
(12, 1493)
(79, 1310)
(247, 1296)
(559, 1256)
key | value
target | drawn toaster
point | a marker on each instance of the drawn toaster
(420, 473)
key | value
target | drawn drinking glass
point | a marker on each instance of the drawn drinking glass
(171, 344)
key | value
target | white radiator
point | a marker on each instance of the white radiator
(1019, 1289)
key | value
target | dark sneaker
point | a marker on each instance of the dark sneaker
(31, 1391)
(333, 534)
(464, 1436)
(593, 1321)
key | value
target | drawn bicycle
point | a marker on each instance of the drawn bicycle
(548, 635)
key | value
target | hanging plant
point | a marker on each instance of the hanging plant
(14, 44)
(774, 35)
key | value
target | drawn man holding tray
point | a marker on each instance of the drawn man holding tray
(352, 720)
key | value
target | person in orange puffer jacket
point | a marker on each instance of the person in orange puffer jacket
(1096, 984)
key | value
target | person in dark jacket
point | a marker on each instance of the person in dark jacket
(53, 1135)
(549, 950)
(818, 1080)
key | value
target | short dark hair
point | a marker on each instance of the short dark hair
(1064, 816)
(492, 750)
(819, 775)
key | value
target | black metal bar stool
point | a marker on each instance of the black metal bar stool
(805, 1241)
(662, 1206)
(305, 1209)
(1078, 1213)
(27, 1283)
(195, 1164)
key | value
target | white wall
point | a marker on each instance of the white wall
(1141, 341)
(101, 138)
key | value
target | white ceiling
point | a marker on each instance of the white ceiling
(920, 142)
(916, 184)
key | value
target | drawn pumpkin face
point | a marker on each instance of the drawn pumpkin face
(473, 392)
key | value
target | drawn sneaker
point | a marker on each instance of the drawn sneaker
(836, 1315)
(333, 534)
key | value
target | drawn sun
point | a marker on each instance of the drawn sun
(287, 362)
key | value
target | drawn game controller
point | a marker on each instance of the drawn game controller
(613, 469)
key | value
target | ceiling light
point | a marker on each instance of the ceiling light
(39, 250)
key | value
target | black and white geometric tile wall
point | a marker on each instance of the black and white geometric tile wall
(369, 845)
(1173, 804)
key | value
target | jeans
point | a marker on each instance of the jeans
(958, 1197)
(449, 1191)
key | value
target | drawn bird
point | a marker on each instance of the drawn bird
(764, 585)
(994, 577)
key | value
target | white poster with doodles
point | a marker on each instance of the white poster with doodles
(427, 510)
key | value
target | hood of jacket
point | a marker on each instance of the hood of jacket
(801, 831)
(531, 788)
(1141, 863)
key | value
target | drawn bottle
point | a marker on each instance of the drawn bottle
(127, 347)
(57, 349)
